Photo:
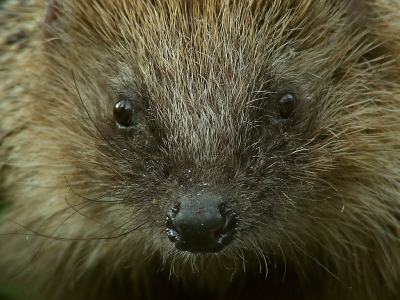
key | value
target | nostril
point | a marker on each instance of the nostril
(218, 233)
(230, 217)
(229, 228)
(172, 231)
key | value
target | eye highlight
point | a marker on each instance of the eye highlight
(287, 105)
(124, 114)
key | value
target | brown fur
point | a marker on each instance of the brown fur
(317, 197)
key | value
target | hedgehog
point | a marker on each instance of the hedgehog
(207, 149)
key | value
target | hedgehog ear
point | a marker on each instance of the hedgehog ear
(356, 12)
(50, 19)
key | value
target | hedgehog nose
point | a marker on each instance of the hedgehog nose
(201, 223)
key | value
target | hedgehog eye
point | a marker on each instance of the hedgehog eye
(287, 106)
(124, 114)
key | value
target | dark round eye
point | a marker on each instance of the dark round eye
(124, 114)
(287, 106)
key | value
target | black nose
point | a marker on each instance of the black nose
(200, 223)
